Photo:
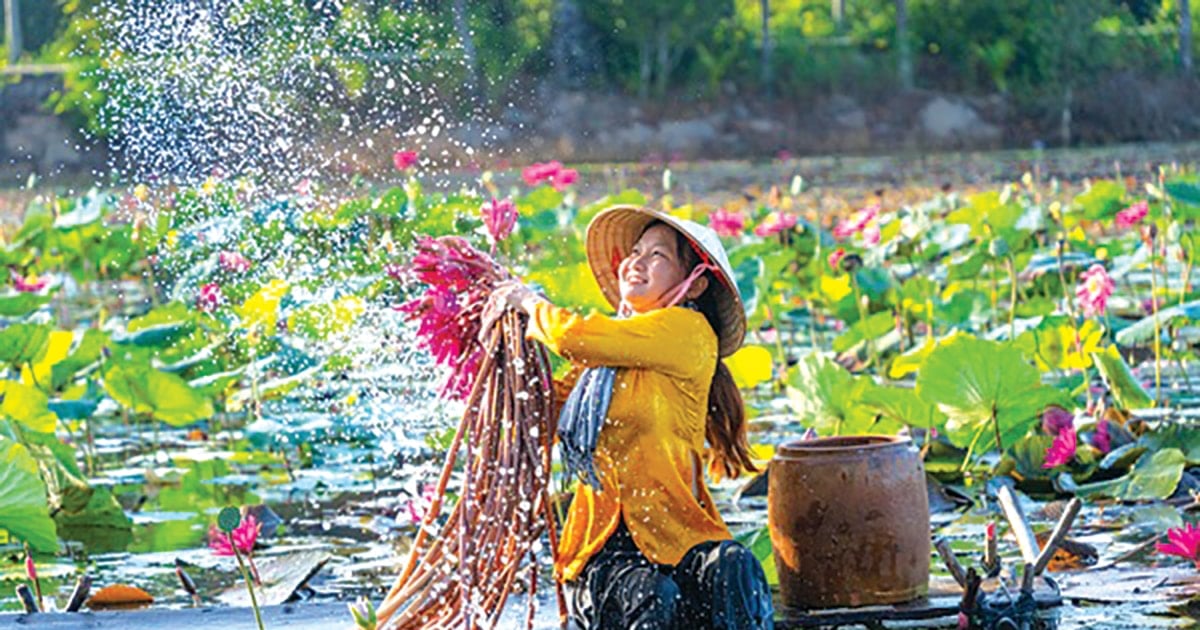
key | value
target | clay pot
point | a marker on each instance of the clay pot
(849, 521)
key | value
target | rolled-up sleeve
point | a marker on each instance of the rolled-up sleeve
(675, 341)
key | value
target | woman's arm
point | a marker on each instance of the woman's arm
(674, 341)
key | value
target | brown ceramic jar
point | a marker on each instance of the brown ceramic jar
(849, 521)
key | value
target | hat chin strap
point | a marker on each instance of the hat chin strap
(676, 295)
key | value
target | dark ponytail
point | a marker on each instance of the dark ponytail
(725, 427)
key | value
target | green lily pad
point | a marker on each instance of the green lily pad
(23, 343)
(971, 380)
(1120, 381)
(166, 396)
(904, 407)
(1143, 329)
(24, 511)
(22, 304)
(868, 329)
(28, 406)
(1155, 476)
(825, 396)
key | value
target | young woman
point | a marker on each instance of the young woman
(643, 546)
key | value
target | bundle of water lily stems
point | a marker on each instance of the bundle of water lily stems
(462, 574)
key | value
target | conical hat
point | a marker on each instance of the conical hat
(613, 232)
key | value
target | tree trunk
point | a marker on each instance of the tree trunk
(1185, 36)
(904, 55)
(644, 68)
(463, 29)
(765, 70)
(12, 29)
(837, 8)
(663, 52)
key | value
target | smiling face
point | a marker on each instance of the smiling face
(653, 268)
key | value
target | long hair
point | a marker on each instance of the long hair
(725, 427)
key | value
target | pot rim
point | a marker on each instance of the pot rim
(842, 444)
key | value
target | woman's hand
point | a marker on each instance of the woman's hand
(507, 295)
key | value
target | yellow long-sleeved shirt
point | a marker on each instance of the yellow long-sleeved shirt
(665, 360)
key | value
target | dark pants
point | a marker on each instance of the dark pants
(718, 585)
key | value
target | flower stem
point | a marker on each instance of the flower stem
(1012, 298)
(1154, 311)
(862, 317)
(249, 582)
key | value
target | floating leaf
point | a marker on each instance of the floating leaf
(21, 304)
(1155, 476)
(147, 390)
(26, 405)
(869, 329)
(1101, 201)
(23, 343)
(23, 508)
(903, 407)
(825, 396)
(1120, 381)
(1051, 344)
(750, 366)
(40, 372)
(971, 380)
(1143, 329)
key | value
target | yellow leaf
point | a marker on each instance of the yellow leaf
(686, 212)
(57, 349)
(262, 308)
(750, 366)
(835, 287)
(910, 361)
(762, 452)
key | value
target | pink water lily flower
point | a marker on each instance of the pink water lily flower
(418, 507)
(31, 284)
(535, 174)
(1132, 215)
(233, 262)
(1095, 287)
(210, 297)
(244, 537)
(1062, 450)
(403, 160)
(500, 217)
(1183, 542)
(726, 223)
(564, 178)
(836, 257)
(864, 222)
(1055, 419)
(775, 223)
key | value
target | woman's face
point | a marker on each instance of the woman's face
(652, 269)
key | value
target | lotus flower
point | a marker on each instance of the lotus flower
(1095, 287)
(403, 160)
(1184, 542)
(417, 507)
(535, 174)
(864, 222)
(233, 262)
(31, 284)
(1132, 215)
(210, 297)
(836, 257)
(500, 217)
(1055, 419)
(1062, 450)
(564, 178)
(244, 537)
(727, 223)
(775, 223)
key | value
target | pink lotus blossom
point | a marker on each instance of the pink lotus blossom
(500, 217)
(233, 262)
(564, 178)
(775, 223)
(244, 537)
(403, 160)
(1132, 215)
(1055, 419)
(210, 297)
(1184, 542)
(418, 507)
(1062, 450)
(726, 223)
(303, 188)
(535, 174)
(864, 222)
(30, 567)
(1095, 287)
(836, 257)
(32, 284)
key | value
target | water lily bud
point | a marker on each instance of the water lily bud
(998, 247)
(1152, 229)
(851, 263)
